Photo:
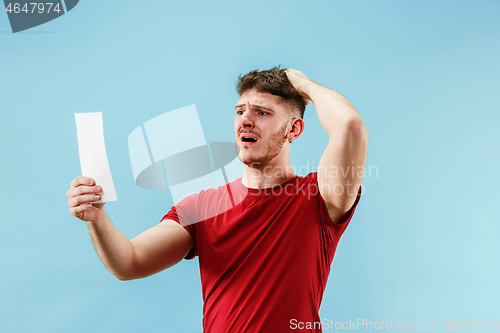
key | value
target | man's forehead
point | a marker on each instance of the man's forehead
(256, 97)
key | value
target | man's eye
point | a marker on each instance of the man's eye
(262, 113)
(239, 112)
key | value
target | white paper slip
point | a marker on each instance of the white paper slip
(93, 158)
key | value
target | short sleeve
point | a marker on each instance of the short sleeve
(184, 221)
(338, 227)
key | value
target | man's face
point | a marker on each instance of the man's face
(260, 126)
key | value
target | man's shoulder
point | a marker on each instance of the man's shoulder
(208, 203)
(222, 189)
(213, 193)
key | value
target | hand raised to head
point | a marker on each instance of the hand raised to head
(300, 82)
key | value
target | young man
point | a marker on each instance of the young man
(266, 241)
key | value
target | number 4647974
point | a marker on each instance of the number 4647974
(34, 7)
(479, 323)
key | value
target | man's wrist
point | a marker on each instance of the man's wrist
(308, 90)
(101, 218)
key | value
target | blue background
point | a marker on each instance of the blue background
(425, 76)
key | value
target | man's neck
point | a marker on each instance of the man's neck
(267, 176)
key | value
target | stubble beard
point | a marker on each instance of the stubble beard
(274, 147)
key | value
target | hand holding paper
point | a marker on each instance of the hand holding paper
(93, 158)
(82, 197)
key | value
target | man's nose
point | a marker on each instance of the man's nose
(247, 118)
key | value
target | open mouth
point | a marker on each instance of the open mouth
(248, 139)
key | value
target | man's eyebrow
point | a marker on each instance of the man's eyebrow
(255, 106)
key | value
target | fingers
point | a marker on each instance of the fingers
(81, 180)
(79, 210)
(80, 190)
(291, 72)
(81, 199)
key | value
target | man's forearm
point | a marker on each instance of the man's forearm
(113, 247)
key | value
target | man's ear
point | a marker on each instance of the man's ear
(297, 127)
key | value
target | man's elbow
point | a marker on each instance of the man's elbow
(356, 130)
(130, 272)
(123, 277)
(355, 123)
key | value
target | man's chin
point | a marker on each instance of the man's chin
(250, 161)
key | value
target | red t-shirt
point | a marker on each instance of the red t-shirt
(264, 254)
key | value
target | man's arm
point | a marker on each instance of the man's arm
(156, 249)
(341, 167)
